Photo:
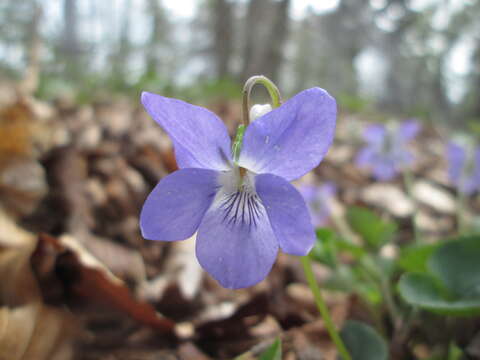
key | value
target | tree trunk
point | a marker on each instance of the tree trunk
(251, 53)
(273, 58)
(223, 37)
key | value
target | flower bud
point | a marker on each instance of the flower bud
(258, 110)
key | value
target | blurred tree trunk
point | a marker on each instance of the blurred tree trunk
(251, 53)
(31, 75)
(273, 57)
(471, 102)
(121, 56)
(223, 35)
(70, 42)
(156, 36)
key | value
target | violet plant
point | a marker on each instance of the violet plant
(386, 153)
(237, 197)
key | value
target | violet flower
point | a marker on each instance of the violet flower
(386, 153)
(242, 212)
(464, 167)
(318, 201)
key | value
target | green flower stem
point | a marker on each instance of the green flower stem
(237, 143)
(408, 180)
(247, 89)
(322, 308)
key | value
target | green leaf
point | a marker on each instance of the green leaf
(424, 291)
(353, 279)
(363, 342)
(324, 250)
(414, 258)
(454, 352)
(370, 227)
(457, 265)
(274, 352)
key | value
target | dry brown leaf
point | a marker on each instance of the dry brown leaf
(91, 281)
(29, 329)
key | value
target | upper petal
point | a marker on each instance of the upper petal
(291, 140)
(176, 206)
(200, 138)
(288, 214)
(235, 243)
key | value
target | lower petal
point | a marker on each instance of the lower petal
(288, 214)
(237, 251)
(384, 171)
(176, 206)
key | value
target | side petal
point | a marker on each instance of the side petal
(200, 138)
(236, 250)
(175, 207)
(292, 139)
(288, 214)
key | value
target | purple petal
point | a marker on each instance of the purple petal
(374, 134)
(288, 214)
(384, 171)
(309, 192)
(238, 252)
(456, 156)
(292, 139)
(408, 130)
(477, 166)
(469, 183)
(328, 189)
(200, 138)
(366, 157)
(176, 206)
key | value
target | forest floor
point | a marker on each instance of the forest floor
(79, 281)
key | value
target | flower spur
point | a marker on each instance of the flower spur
(243, 210)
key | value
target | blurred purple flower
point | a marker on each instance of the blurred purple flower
(318, 201)
(243, 212)
(464, 167)
(386, 152)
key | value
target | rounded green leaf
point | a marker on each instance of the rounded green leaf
(457, 265)
(424, 291)
(363, 342)
(414, 258)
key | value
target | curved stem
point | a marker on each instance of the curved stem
(408, 180)
(322, 308)
(247, 89)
